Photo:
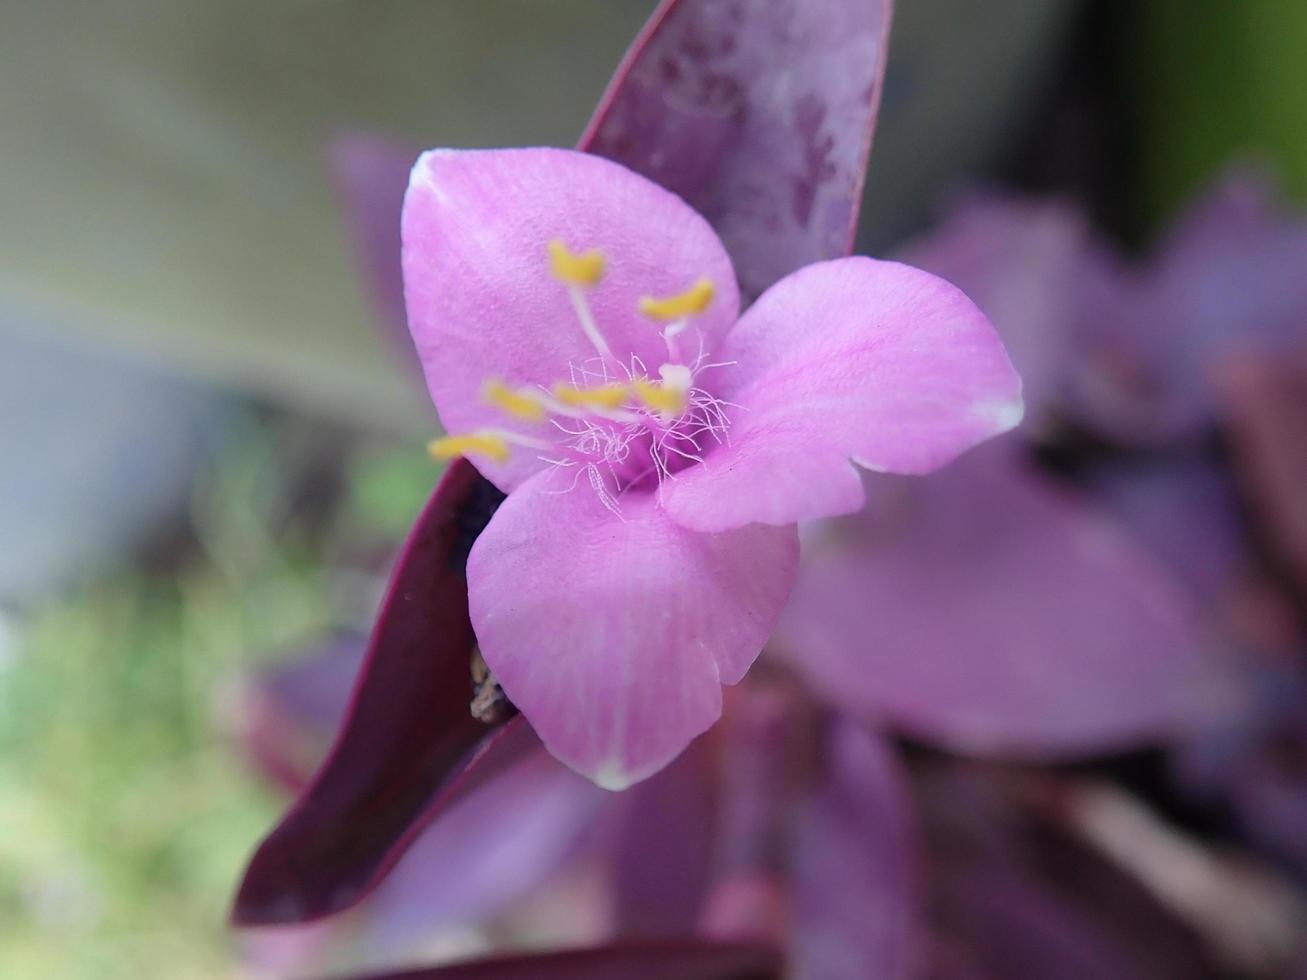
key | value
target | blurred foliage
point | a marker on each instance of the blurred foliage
(126, 813)
(1217, 80)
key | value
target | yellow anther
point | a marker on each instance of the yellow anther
(480, 443)
(666, 399)
(576, 268)
(513, 402)
(603, 396)
(693, 300)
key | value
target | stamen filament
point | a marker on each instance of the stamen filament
(588, 324)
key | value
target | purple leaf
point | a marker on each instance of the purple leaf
(1014, 895)
(663, 837)
(1185, 511)
(760, 114)
(1264, 402)
(371, 175)
(407, 730)
(685, 960)
(988, 609)
(289, 712)
(858, 867)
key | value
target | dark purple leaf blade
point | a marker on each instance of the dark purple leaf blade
(684, 960)
(408, 728)
(760, 114)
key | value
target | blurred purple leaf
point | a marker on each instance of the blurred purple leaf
(685, 960)
(1264, 407)
(1228, 277)
(407, 730)
(858, 870)
(987, 609)
(1185, 511)
(1013, 895)
(289, 712)
(760, 114)
(491, 845)
(662, 837)
(371, 176)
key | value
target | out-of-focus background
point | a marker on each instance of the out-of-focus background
(209, 444)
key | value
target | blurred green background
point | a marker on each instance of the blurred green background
(209, 448)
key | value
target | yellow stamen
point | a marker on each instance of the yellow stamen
(513, 402)
(667, 399)
(603, 396)
(576, 268)
(693, 300)
(481, 443)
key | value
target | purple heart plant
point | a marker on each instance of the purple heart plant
(620, 540)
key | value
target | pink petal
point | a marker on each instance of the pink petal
(987, 610)
(614, 635)
(852, 359)
(482, 302)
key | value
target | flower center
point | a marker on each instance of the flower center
(614, 424)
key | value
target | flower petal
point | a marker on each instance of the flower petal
(986, 610)
(853, 359)
(483, 302)
(613, 634)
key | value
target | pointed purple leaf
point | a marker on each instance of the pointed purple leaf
(685, 960)
(663, 842)
(408, 727)
(760, 114)
(858, 869)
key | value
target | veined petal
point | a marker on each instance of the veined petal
(483, 302)
(853, 359)
(613, 634)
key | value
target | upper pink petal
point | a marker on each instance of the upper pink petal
(483, 303)
(613, 635)
(853, 359)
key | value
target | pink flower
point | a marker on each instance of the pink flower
(578, 328)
